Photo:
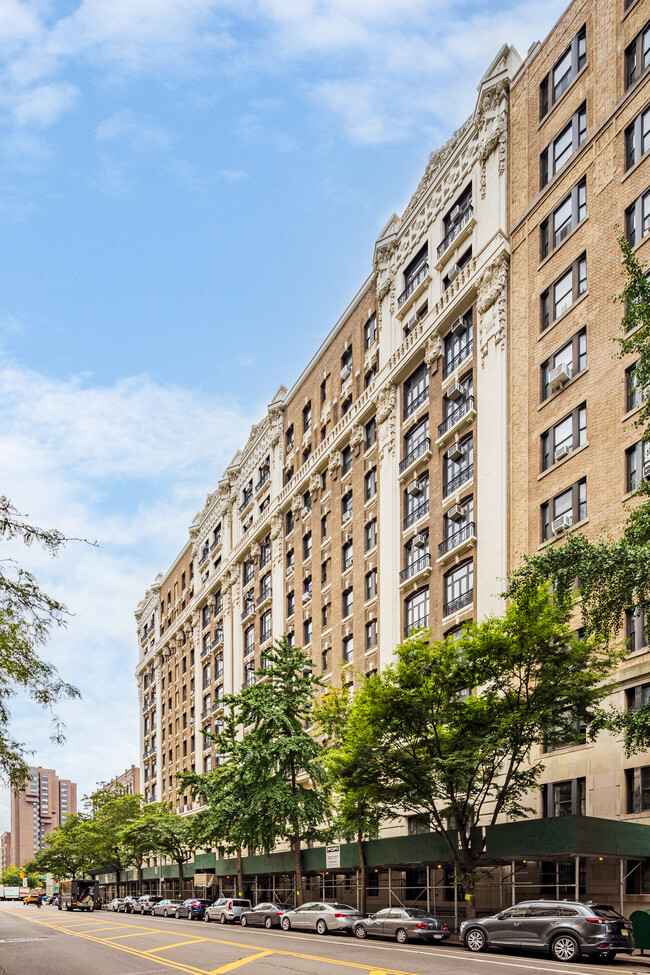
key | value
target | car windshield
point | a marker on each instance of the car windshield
(604, 910)
(416, 912)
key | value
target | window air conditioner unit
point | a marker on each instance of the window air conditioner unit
(563, 451)
(455, 513)
(456, 451)
(306, 596)
(305, 512)
(558, 525)
(413, 320)
(455, 392)
(191, 720)
(346, 372)
(420, 541)
(459, 327)
(646, 471)
(559, 376)
(455, 214)
(414, 489)
(453, 272)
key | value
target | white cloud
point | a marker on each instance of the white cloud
(122, 465)
(44, 104)
(124, 127)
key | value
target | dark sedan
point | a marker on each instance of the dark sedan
(403, 924)
(193, 909)
(265, 915)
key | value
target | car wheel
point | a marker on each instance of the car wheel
(285, 924)
(165, 914)
(565, 948)
(475, 940)
(207, 918)
(142, 910)
(360, 932)
(321, 927)
(243, 921)
(152, 912)
(223, 919)
(401, 936)
(268, 923)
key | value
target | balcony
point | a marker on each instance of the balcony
(465, 534)
(463, 222)
(248, 609)
(218, 674)
(415, 569)
(216, 543)
(248, 682)
(418, 624)
(204, 555)
(456, 416)
(206, 683)
(246, 503)
(263, 596)
(263, 481)
(218, 638)
(148, 752)
(419, 451)
(205, 651)
(460, 602)
(413, 289)
(415, 403)
(456, 482)
(249, 648)
(206, 712)
(265, 637)
(207, 744)
(416, 514)
(460, 357)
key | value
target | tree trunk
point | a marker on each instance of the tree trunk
(362, 872)
(181, 878)
(468, 882)
(298, 869)
(240, 875)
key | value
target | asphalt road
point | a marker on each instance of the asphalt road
(52, 942)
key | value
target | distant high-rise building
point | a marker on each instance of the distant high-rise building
(5, 851)
(37, 809)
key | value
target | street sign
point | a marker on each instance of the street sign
(332, 856)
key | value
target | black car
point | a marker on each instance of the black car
(566, 929)
(265, 915)
(193, 908)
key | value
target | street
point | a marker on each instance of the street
(51, 942)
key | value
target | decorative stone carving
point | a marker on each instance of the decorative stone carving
(491, 304)
(276, 527)
(314, 484)
(334, 464)
(432, 350)
(296, 504)
(356, 436)
(385, 403)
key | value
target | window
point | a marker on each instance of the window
(347, 601)
(557, 299)
(637, 56)
(564, 437)
(455, 219)
(458, 343)
(371, 634)
(265, 586)
(564, 364)
(323, 391)
(419, 824)
(306, 418)
(371, 584)
(265, 552)
(636, 458)
(290, 561)
(218, 667)
(370, 331)
(458, 465)
(417, 610)
(635, 629)
(249, 640)
(414, 273)
(288, 475)
(566, 68)
(218, 603)
(323, 571)
(457, 524)
(564, 798)
(348, 650)
(249, 572)
(416, 555)
(370, 483)
(323, 481)
(291, 603)
(416, 442)
(564, 509)
(371, 534)
(459, 587)
(637, 138)
(307, 587)
(369, 376)
(307, 632)
(289, 522)
(323, 527)
(346, 506)
(346, 364)
(325, 661)
(324, 614)
(637, 218)
(416, 390)
(416, 500)
(265, 627)
(346, 555)
(564, 219)
(306, 546)
(564, 145)
(635, 395)
(456, 268)
(456, 402)
(637, 697)
(346, 460)
(206, 616)
(370, 433)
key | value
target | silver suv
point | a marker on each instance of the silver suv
(566, 929)
(227, 909)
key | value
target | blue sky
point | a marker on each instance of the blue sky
(190, 191)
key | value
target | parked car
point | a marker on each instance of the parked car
(166, 907)
(321, 917)
(144, 904)
(227, 909)
(566, 929)
(264, 915)
(193, 908)
(115, 904)
(128, 905)
(402, 924)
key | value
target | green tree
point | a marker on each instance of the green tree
(27, 615)
(11, 876)
(172, 835)
(437, 747)
(69, 849)
(357, 799)
(111, 809)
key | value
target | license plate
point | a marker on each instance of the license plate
(624, 931)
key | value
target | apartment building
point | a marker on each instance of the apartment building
(580, 175)
(36, 810)
(129, 779)
(5, 851)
